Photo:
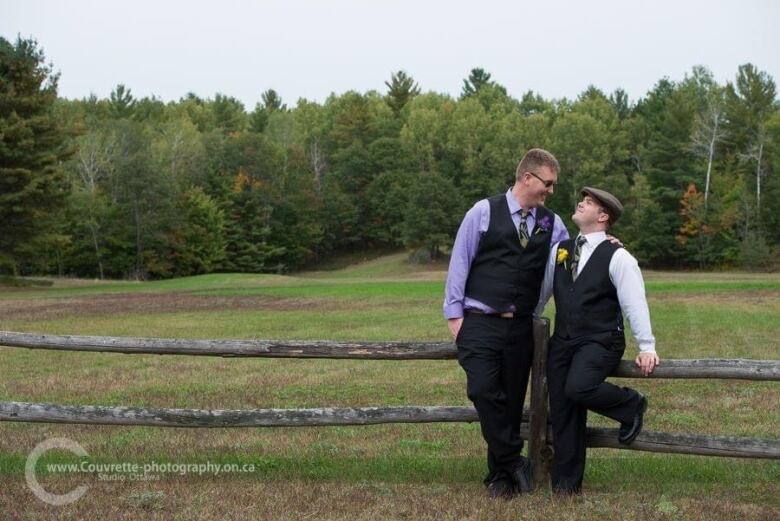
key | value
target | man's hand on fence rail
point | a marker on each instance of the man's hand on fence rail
(647, 362)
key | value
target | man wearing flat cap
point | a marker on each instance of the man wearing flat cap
(595, 283)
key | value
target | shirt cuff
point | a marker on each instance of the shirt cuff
(647, 346)
(454, 310)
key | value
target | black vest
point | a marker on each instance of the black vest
(503, 273)
(590, 305)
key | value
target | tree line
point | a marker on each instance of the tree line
(129, 187)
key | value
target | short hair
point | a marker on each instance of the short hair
(610, 218)
(534, 159)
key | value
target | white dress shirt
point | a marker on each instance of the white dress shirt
(625, 276)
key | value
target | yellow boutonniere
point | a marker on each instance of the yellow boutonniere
(562, 255)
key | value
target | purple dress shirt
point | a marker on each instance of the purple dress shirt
(471, 230)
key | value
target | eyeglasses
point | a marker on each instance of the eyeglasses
(547, 183)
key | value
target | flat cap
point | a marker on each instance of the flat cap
(610, 203)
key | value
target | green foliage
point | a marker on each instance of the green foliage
(478, 78)
(750, 101)
(429, 222)
(340, 218)
(199, 112)
(32, 147)
(169, 189)
(425, 130)
(250, 160)
(755, 253)
(101, 241)
(642, 227)
(229, 114)
(388, 197)
(198, 243)
(532, 103)
(247, 234)
(272, 101)
(121, 103)
(400, 89)
(145, 199)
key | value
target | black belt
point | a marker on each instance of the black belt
(506, 314)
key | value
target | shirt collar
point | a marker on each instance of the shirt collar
(514, 206)
(595, 238)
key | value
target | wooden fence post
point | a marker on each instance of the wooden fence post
(539, 450)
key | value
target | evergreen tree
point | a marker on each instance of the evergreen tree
(388, 197)
(619, 100)
(400, 89)
(229, 114)
(163, 189)
(272, 101)
(146, 198)
(197, 244)
(248, 231)
(477, 79)
(750, 103)
(33, 145)
(667, 119)
(121, 103)
(532, 103)
(429, 222)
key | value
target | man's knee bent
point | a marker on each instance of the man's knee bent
(579, 391)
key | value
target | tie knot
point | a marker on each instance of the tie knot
(523, 214)
(580, 241)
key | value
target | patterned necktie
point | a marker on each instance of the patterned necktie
(523, 229)
(575, 260)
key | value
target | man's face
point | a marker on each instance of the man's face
(588, 213)
(541, 184)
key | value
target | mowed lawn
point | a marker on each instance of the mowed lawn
(429, 471)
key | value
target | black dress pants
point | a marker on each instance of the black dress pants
(496, 355)
(576, 370)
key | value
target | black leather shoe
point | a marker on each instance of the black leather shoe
(522, 477)
(501, 488)
(629, 431)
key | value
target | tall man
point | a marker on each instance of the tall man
(493, 284)
(594, 282)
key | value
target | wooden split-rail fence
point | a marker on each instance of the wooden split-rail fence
(534, 428)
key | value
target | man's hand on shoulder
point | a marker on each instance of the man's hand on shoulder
(647, 362)
(614, 240)
(454, 325)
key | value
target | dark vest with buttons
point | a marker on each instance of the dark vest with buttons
(503, 273)
(589, 305)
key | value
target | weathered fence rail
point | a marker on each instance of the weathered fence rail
(322, 417)
(705, 368)
(535, 426)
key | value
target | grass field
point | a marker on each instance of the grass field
(392, 471)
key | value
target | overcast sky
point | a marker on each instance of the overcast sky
(312, 48)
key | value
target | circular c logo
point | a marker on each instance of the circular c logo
(32, 480)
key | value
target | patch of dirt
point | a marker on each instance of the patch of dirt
(97, 305)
